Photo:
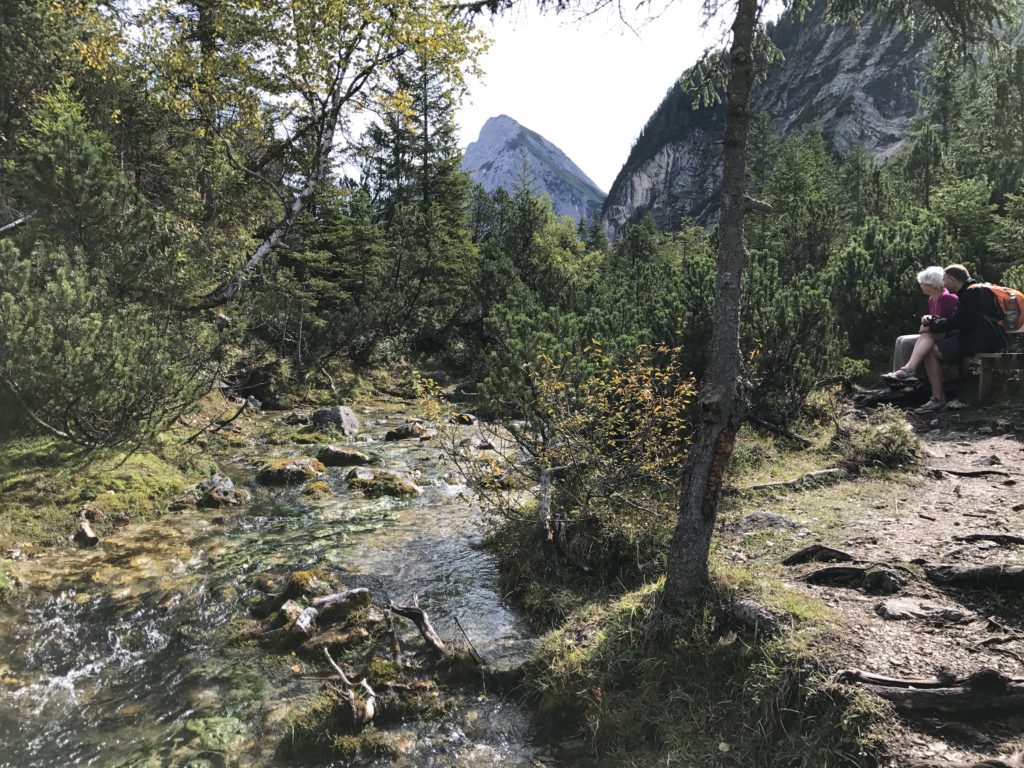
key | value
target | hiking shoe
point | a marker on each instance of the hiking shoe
(932, 406)
(901, 376)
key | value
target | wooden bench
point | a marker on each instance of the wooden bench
(995, 361)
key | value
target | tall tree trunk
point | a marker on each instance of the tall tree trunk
(721, 409)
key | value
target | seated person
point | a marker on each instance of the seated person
(973, 327)
(941, 303)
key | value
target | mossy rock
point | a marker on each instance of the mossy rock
(289, 470)
(408, 431)
(339, 456)
(371, 743)
(311, 436)
(317, 489)
(380, 671)
(322, 727)
(312, 582)
(377, 483)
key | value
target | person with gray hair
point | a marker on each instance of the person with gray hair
(941, 303)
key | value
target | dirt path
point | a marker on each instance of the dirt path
(906, 525)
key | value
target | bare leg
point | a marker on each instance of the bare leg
(922, 349)
(933, 365)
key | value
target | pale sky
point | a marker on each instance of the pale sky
(588, 86)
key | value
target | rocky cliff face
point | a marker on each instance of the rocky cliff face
(857, 87)
(506, 152)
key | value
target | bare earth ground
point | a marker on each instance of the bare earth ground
(904, 523)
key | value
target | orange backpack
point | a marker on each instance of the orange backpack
(1010, 303)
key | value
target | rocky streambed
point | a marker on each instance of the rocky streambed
(165, 644)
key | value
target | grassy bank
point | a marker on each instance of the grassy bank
(634, 688)
(46, 483)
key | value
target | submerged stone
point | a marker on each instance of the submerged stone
(220, 734)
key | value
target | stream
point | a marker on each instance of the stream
(130, 654)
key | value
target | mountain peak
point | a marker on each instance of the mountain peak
(506, 152)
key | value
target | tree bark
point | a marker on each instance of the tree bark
(721, 409)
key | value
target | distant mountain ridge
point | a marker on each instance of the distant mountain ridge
(507, 151)
(858, 88)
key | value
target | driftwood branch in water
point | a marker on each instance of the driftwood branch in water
(339, 605)
(362, 708)
(1000, 578)
(472, 648)
(985, 691)
(803, 481)
(419, 617)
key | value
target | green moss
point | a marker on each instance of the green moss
(289, 469)
(314, 581)
(377, 484)
(370, 743)
(43, 481)
(318, 489)
(382, 671)
(311, 436)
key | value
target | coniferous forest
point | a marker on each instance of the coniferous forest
(211, 207)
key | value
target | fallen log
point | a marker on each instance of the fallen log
(818, 553)
(338, 606)
(985, 691)
(419, 617)
(994, 577)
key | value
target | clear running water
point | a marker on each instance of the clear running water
(128, 654)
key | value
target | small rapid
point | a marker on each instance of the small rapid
(134, 653)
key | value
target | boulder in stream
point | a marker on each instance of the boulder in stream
(219, 491)
(337, 418)
(289, 470)
(339, 456)
(407, 431)
(382, 483)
